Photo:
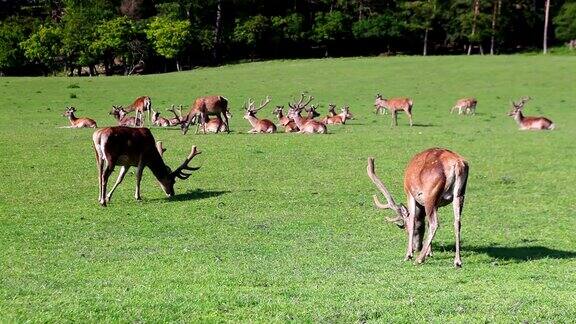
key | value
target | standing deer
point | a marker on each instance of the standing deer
(201, 108)
(434, 178)
(394, 105)
(529, 123)
(76, 122)
(339, 118)
(140, 105)
(466, 105)
(309, 126)
(258, 125)
(288, 124)
(128, 147)
(123, 120)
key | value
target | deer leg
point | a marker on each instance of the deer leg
(452, 110)
(410, 116)
(100, 163)
(139, 170)
(226, 123)
(431, 213)
(457, 204)
(105, 175)
(121, 175)
(410, 230)
(395, 118)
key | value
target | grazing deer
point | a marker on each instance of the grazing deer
(258, 125)
(339, 118)
(466, 105)
(123, 120)
(76, 122)
(128, 147)
(309, 126)
(288, 124)
(159, 121)
(204, 106)
(140, 105)
(529, 123)
(394, 105)
(433, 178)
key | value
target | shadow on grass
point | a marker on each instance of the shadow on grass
(198, 194)
(514, 254)
(423, 125)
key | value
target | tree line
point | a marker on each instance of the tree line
(147, 36)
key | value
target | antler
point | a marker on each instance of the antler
(300, 104)
(264, 102)
(391, 203)
(179, 172)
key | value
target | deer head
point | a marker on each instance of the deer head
(279, 110)
(167, 182)
(401, 210)
(312, 113)
(250, 110)
(69, 111)
(517, 107)
(347, 113)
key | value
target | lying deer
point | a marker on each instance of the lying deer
(339, 118)
(203, 107)
(310, 126)
(159, 121)
(433, 178)
(529, 123)
(128, 147)
(466, 105)
(76, 122)
(177, 119)
(394, 105)
(288, 124)
(140, 105)
(123, 120)
(258, 125)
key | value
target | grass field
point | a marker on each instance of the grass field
(282, 227)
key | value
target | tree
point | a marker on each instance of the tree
(380, 27)
(116, 38)
(421, 17)
(168, 37)
(44, 47)
(565, 22)
(251, 31)
(546, 16)
(329, 27)
(12, 33)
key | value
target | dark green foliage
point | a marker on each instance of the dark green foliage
(565, 22)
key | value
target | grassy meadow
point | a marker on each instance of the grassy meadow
(281, 227)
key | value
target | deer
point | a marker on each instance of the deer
(309, 126)
(127, 147)
(312, 113)
(466, 105)
(123, 120)
(204, 106)
(339, 118)
(258, 125)
(433, 178)
(76, 122)
(529, 123)
(140, 105)
(288, 124)
(160, 121)
(394, 105)
(177, 119)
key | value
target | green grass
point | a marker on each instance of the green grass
(282, 227)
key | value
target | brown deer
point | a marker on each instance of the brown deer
(288, 124)
(394, 105)
(128, 147)
(123, 120)
(258, 125)
(202, 107)
(177, 119)
(529, 123)
(433, 178)
(309, 126)
(160, 121)
(339, 118)
(76, 122)
(311, 113)
(466, 106)
(140, 105)
(214, 125)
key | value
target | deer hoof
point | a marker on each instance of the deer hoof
(407, 258)
(457, 264)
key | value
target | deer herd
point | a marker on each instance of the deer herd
(433, 178)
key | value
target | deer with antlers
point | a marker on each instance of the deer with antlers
(177, 119)
(258, 125)
(75, 122)
(529, 123)
(309, 126)
(338, 118)
(202, 108)
(394, 105)
(433, 178)
(159, 121)
(466, 106)
(140, 105)
(123, 120)
(136, 147)
(288, 124)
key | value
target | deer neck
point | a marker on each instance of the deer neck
(298, 120)
(519, 117)
(157, 165)
(72, 118)
(253, 120)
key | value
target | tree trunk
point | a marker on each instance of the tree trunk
(546, 15)
(217, 33)
(495, 15)
(425, 42)
(474, 18)
(178, 67)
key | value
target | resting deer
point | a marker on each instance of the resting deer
(140, 105)
(258, 125)
(160, 121)
(76, 122)
(177, 119)
(310, 126)
(203, 107)
(394, 105)
(311, 113)
(128, 147)
(433, 178)
(466, 105)
(123, 120)
(288, 124)
(339, 118)
(529, 123)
